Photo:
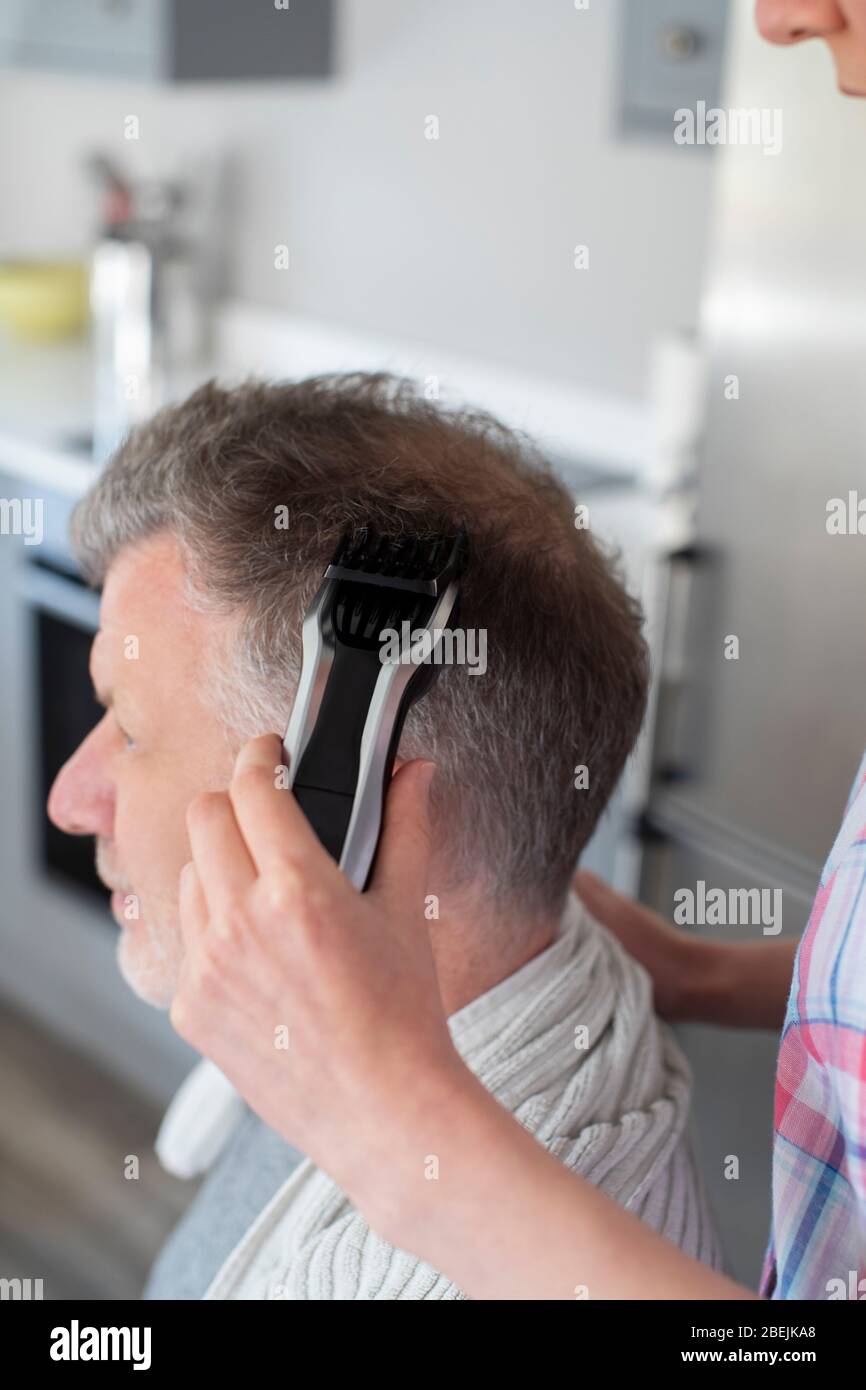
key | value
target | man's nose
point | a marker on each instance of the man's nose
(81, 800)
(790, 21)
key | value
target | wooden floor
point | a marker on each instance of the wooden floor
(68, 1215)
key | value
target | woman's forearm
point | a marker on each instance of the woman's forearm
(504, 1219)
(740, 984)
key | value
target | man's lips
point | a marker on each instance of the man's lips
(119, 894)
(105, 876)
(119, 902)
(118, 888)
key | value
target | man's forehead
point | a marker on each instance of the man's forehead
(145, 580)
(145, 614)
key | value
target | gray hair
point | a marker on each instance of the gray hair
(566, 679)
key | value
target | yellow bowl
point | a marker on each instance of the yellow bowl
(43, 300)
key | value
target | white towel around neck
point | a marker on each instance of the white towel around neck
(614, 1110)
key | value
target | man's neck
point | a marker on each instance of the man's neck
(475, 949)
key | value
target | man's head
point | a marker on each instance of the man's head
(210, 530)
(841, 23)
(157, 746)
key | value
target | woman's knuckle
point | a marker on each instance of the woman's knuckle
(203, 808)
(230, 922)
(249, 780)
(282, 891)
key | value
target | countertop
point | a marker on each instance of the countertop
(45, 395)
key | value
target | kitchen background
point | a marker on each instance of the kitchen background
(487, 194)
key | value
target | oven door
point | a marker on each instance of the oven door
(63, 617)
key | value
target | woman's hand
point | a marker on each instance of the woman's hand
(322, 1006)
(672, 958)
(319, 1003)
(741, 984)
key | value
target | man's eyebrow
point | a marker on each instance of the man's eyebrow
(103, 693)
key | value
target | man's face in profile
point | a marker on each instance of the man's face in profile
(157, 745)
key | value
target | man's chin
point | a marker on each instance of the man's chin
(150, 970)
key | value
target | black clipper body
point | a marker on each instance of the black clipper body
(350, 705)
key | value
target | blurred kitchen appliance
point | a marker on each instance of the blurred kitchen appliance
(147, 304)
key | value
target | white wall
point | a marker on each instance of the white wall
(466, 242)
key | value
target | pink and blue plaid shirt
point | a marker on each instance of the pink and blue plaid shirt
(818, 1244)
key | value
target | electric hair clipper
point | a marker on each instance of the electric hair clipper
(370, 639)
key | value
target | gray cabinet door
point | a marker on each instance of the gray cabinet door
(174, 40)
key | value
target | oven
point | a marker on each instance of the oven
(61, 616)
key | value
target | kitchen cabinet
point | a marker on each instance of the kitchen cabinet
(169, 40)
(672, 54)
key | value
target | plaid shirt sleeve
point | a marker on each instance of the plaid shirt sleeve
(818, 1241)
(846, 1053)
